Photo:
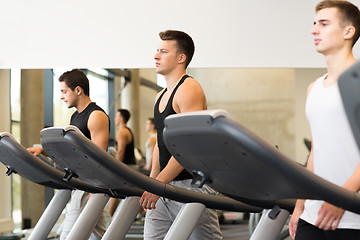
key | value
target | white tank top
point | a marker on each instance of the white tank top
(335, 152)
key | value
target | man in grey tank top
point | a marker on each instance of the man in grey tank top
(334, 155)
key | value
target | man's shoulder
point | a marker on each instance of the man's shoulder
(189, 97)
(97, 113)
(98, 118)
(159, 93)
(310, 86)
(124, 133)
(190, 86)
(127, 131)
(190, 79)
(95, 107)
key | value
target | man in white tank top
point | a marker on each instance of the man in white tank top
(150, 143)
(334, 154)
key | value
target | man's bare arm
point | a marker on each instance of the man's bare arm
(299, 206)
(329, 216)
(155, 167)
(189, 97)
(98, 125)
(121, 140)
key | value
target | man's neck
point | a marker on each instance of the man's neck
(338, 63)
(82, 103)
(173, 78)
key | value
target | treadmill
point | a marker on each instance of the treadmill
(349, 86)
(71, 150)
(19, 160)
(222, 153)
(251, 170)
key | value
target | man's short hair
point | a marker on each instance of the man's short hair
(76, 78)
(152, 121)
(184, 42)
(350, 14)
(125, 114)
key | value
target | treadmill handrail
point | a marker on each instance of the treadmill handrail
(28, 162)
(349, 87)
(214, 113)
(108, 162)
(314, 186)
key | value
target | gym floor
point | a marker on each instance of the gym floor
(238, 230)
(235, 231)
(231, 231)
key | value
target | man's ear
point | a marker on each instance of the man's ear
(182, 58)
(78, 90)
(349, 32)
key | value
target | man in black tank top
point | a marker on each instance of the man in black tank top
(80, 120)
(182, 94)
(95, 125)
(125, 148)
(124, 138)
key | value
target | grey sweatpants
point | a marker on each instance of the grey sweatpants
(159, 220)
(78, 201)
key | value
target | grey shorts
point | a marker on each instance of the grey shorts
(159, 220)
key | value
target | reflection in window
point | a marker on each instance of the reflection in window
(62, 113)
(99, 87)
(98, 93)
(161, 80)
(15, 75)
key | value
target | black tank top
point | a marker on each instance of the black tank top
(164, 154)
(80, 120)
(129, 156)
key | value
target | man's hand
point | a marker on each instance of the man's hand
(329, 217)
(294, 220)
(148, 200)
(36, 150)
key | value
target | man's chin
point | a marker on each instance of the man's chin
(159, 71)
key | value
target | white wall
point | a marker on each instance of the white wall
(5, 184)
(123, 34)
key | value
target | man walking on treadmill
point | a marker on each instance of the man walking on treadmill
(334, 154)
(182, 94)
(93, 122)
